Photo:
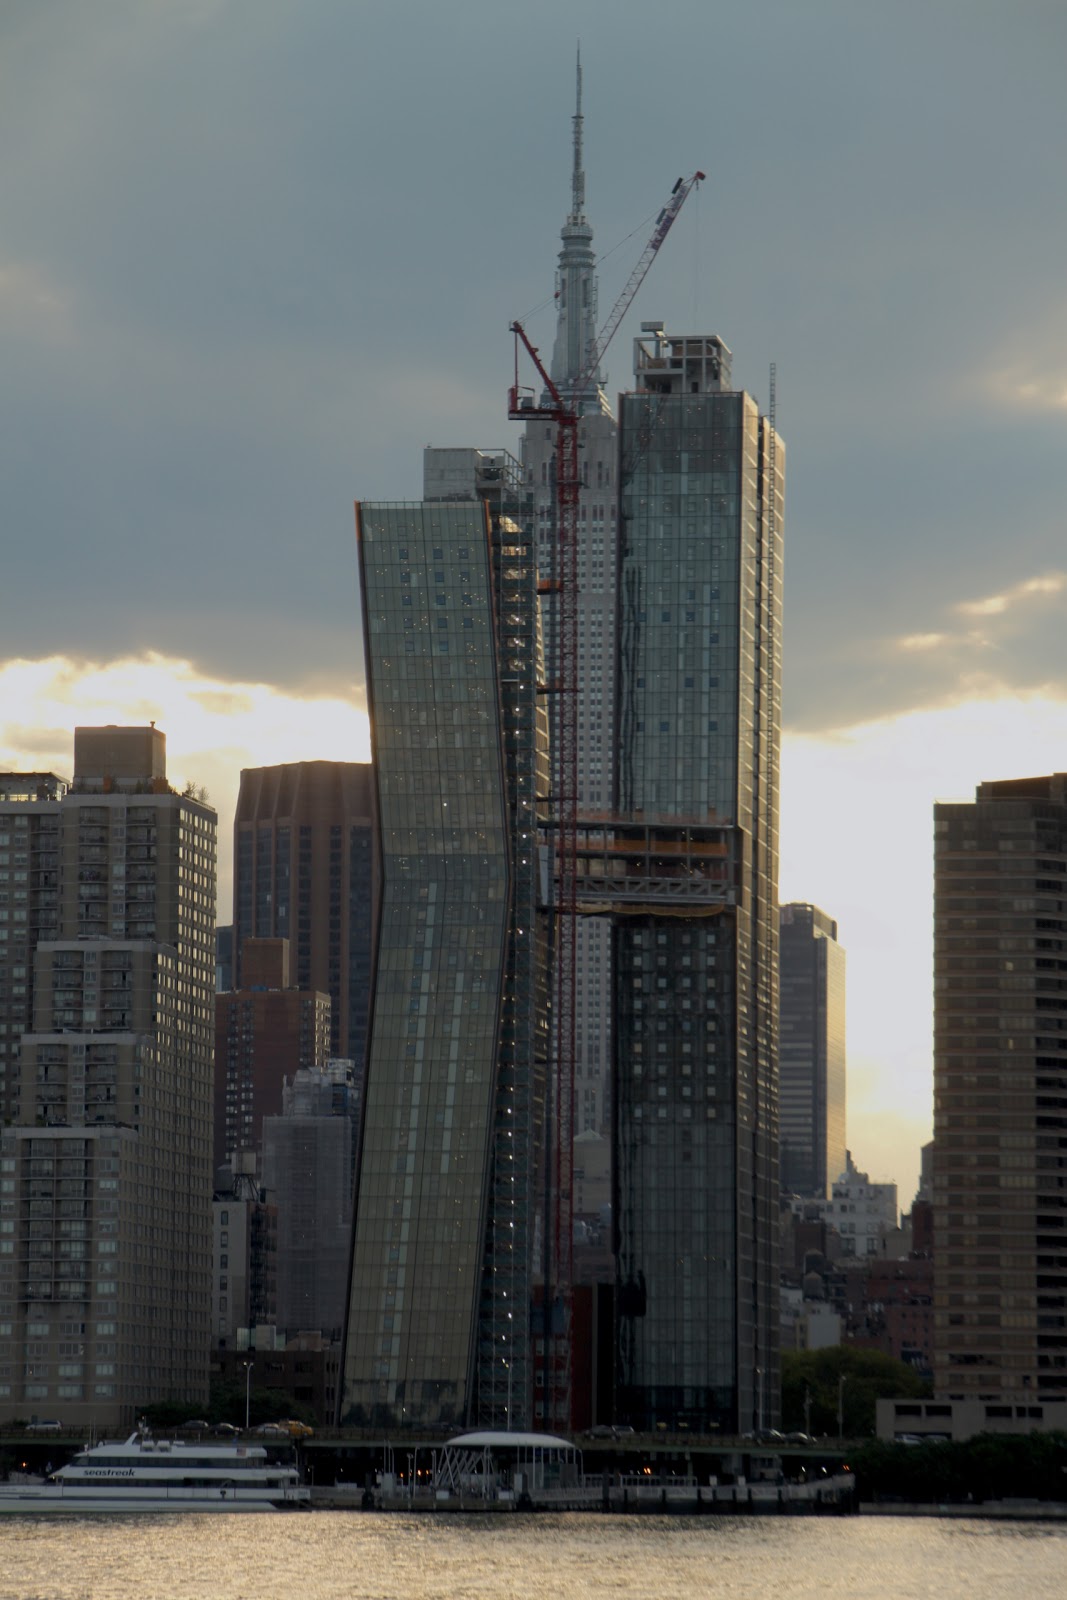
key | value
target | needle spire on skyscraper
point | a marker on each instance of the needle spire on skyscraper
(576, 286)
(578, 175)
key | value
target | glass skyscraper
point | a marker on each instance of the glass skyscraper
(696, 956)
(438, 1319)
(811, 1051)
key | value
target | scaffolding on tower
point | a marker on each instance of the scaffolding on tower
(565, 412)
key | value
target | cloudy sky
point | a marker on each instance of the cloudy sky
(255, 255)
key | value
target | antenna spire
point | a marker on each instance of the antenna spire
(578, 176)
(576, 304)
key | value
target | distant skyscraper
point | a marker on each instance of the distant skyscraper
(105, 1187)
(224, 958)
(696, 958)
(811, 1051)
(303, 870)
(1000, 1094)
(265, 1032)
(577, 377)
(438, 1328)
(308, 1154)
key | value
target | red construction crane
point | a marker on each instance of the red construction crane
(565, 413)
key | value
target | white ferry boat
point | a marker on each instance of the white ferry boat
(155, 1475)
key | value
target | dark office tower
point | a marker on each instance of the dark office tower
(105, 1186)
(1000, 1094)
(307, 1173)
(303, 870)
(444, 1202)
(811, 1051)
(696, 973)
(223, 958)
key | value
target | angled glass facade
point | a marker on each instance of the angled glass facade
(438, 1313)
(699, 565)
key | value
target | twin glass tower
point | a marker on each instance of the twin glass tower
(680, 571)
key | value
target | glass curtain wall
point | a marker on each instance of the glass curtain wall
(432, 1071)
(696, 995)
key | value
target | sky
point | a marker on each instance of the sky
(256, 255)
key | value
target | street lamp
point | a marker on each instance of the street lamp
(842, 1380)
(248, 1365)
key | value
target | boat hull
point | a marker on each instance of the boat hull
(48, 1501)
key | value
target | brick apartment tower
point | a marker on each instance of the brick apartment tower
(304, 870)
(1000, 1094)
(265, 1032)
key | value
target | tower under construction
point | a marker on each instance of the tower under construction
(694, 857)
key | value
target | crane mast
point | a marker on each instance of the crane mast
(565, 412)
(679, 195)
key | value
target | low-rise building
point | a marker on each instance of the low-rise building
(862, 1212)
(306, 1370)
(913, 1421)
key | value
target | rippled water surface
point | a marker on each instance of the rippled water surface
(359, 1556)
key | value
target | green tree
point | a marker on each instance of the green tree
(264, 1405)
(987, 1467)
(868, 1376)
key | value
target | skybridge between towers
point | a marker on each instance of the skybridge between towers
(632, 866)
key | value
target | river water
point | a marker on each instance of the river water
(365, 1556)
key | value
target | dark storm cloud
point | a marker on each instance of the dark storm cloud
(256, 256)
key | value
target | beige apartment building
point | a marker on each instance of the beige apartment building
(105, 1185)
